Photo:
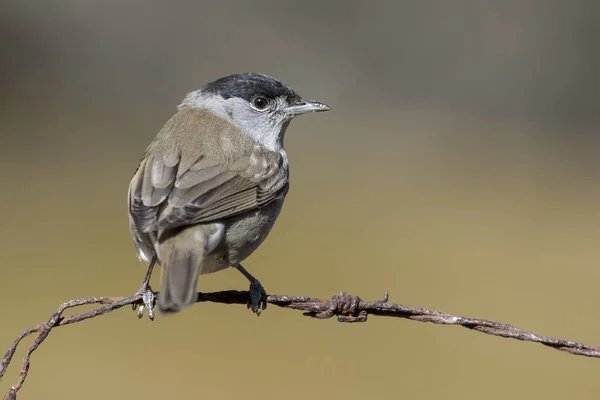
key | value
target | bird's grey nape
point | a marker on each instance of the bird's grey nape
(265, 128)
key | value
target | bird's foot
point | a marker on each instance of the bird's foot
(258, 297)
(147, 301)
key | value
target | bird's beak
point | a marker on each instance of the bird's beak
(306, 106)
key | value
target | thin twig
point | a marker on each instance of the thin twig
(347, 308)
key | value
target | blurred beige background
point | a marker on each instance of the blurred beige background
(458, 170)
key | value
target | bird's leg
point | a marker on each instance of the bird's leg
(148, 295)
(258, 295)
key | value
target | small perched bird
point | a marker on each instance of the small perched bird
(210, 186)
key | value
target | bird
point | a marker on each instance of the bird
(210, 186)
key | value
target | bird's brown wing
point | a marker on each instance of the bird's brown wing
(162, 197)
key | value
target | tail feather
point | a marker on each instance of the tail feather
(181, 269)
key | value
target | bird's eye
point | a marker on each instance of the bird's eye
(260, 103)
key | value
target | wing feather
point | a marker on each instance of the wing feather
(164, 198)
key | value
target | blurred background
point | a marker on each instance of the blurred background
(458, 170)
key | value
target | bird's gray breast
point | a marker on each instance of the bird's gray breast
(244, 233)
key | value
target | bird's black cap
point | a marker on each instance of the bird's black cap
(248, 85)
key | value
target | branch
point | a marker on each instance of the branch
(347, 308)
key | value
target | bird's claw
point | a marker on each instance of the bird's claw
(148, 301)
(258, 297)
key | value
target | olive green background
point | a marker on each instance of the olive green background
(458, 170)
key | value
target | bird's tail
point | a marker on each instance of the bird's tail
(181, 259)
